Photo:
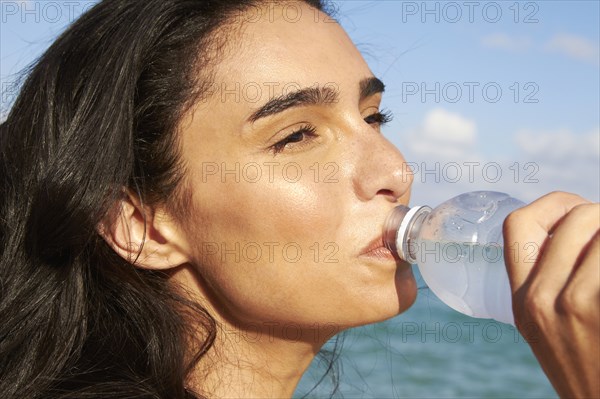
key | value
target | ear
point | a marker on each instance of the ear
(147, 237)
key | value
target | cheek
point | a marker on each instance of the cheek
(256, 244)
(286, 204)
(299, 211)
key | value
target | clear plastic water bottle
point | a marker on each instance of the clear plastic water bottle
(458, 247)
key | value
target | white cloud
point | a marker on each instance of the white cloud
(559, 145)
(574, 46)
(506, 42)
(444, 134)
(564, 160)
(541, 161)
(567, 44)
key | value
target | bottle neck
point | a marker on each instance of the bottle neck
(401, 229)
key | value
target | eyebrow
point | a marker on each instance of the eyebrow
(369, 87)
(314, 96)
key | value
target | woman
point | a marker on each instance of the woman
(191, 208)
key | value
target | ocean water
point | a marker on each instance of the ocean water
(432, 351)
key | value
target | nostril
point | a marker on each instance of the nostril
(387, 193)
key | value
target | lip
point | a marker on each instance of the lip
(377, 249)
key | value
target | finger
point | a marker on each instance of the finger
(529, 227)
(570, 239)
(581, 296)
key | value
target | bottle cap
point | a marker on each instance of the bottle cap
(406, 226)
(398, 227)
(391, 226)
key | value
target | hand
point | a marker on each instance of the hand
(556, 291)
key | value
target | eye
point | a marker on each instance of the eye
(299, 137)
(379, 118)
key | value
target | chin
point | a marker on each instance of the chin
(406, 287)
(390, 300)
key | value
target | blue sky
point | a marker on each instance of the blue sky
(517, 86)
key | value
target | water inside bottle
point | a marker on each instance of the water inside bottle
(469, 277)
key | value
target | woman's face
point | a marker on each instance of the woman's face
(292, 180)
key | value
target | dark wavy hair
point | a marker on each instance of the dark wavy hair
(97, 114)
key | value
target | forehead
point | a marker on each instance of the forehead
(279, 47)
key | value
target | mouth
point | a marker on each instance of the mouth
(377, 249)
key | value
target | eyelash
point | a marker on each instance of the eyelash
(379, 118)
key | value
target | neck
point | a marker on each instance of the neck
(252, 363)
(252, 360)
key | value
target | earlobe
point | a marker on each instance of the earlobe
(144, 236)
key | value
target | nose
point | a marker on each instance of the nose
(381, 170)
